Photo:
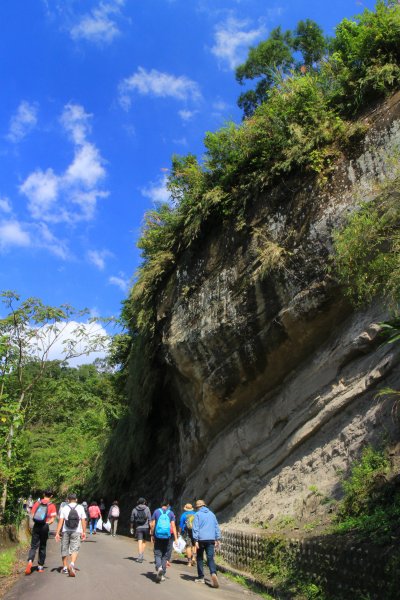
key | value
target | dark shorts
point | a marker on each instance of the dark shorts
(142, 534)
(188, 537)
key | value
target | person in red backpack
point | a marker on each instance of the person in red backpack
(43, 514)
(94, 515)
(113, 516)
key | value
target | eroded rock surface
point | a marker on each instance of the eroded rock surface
(275, 373)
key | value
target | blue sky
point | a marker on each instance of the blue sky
(96, 98)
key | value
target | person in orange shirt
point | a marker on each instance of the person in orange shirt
(43, 514)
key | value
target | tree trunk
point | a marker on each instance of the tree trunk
(3, 501)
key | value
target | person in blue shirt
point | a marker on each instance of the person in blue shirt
(206, 534)
(162, 526)
(186, 531)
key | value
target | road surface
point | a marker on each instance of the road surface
(106, 568)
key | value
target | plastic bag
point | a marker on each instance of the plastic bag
(107, 526)
(99, 525)
(180, 545)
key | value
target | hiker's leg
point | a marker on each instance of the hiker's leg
(74, 545)
(141, 541)
(65, 548)
(165, 554)
(115, 526)
(170, 548)
(35, 542)
(200, 559)
(44, 536)
(210, 550)
(157, 553)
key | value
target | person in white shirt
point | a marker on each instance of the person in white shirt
(72, 522)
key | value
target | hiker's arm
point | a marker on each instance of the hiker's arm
(152, 525)
(59, 527)
(83, 529)
(174, 530)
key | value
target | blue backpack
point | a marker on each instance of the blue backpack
(40, 515)
(163, 525)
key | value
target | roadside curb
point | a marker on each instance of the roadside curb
(252, 581)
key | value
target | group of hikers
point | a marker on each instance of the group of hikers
(197, 532)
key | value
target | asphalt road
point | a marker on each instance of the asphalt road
(106, 568)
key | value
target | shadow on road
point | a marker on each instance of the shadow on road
(192, 578)
(150, 575)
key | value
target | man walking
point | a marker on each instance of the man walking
(73, 525)
(186, 530)
(140, 522)
(161, 525)
(206, 534)
(42, 514)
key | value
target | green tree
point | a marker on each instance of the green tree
(27, 334)
(264, 60)
(274, 58)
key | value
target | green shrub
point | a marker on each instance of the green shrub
(367, 249)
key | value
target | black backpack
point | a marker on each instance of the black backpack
(140, 517)
(73, 519)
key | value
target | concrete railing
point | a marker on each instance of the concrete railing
(341, 567)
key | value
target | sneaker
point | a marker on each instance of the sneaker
(40, 569)
(65, 570)
(71, 571)
(139, 560)
(162, 578)
(200, 580)
(159, 575)
(214, 580)
(28, 569)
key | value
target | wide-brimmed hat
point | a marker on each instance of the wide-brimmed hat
(188, 506)
(200, 503)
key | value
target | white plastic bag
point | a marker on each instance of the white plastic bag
(180, 545)
(99, 525)
(107, 526)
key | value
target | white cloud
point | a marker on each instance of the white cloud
(181, 141)
(22, 123)
(12, 234)
(157, 84)
(99, 25)
(76, 122)
(56, 342)
(86, 168)
(120, 282)
(157, 191)
(187, 115)
(41, 189)
(5, 205)
(98, 258)
(70, 196)
(232, 41)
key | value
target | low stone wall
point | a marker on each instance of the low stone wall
(342, 568)
(11, 535)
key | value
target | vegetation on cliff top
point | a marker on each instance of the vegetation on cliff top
(306, 91)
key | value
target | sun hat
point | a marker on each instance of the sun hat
(188, 506)
(200, 503)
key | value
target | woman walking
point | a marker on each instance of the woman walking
(113, 516)
(94, 515)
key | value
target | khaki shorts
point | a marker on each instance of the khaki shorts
(70, 542)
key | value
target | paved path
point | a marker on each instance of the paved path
(107, 569)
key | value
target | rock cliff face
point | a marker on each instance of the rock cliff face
(273, 372)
